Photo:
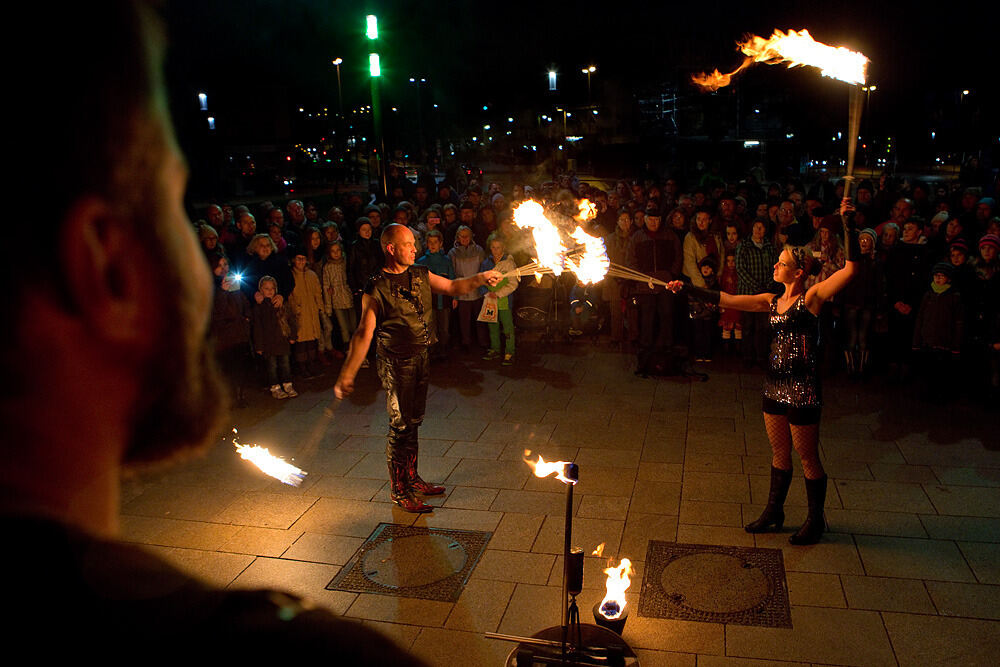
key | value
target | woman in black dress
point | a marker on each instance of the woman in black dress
(792, 397)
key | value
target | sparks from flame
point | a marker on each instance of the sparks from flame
(543, 468)
(795, 49)
(613, 604)
(268, 463)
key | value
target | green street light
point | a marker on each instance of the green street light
(372, 26)
(373, 65)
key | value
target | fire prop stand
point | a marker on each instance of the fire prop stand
(603, 646)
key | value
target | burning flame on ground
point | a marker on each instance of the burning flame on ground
(269, 464)
(795, 49)
(613, 604)
(543, 468)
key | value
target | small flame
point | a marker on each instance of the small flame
(713, 81)
(599, 551)
(269, 464)
(795, 49)
(613, 604)
(588, 211)
(543, 468)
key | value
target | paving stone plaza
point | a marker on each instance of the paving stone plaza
(907, 574)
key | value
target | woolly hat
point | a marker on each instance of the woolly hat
(989, 201)
(959, 244)
(943, 267)
(868, 231)
(941, 217)
(990, 239)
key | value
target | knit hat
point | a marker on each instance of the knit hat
(991, 240)
(868, 231)
(943, 267)
(941, 217)
(989, 201)
(959, 244)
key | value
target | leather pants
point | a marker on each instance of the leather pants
(405, 382)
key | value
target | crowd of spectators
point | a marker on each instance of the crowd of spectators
(926, 301)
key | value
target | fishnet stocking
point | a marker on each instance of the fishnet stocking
(781, 440)
(806, 442)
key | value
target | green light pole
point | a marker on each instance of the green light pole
(375, 69)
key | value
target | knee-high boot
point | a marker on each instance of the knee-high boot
(812, 529)
(773, 516)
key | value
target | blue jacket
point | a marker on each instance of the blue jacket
(440, 264)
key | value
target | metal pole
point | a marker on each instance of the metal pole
(379, 138)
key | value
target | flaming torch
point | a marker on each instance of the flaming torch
(268, 463)
(796, 49)
(610, 612)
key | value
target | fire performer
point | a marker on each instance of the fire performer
(396, 311)
(792, 397)
(107, 365)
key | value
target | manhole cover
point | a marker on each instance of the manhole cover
(417, 560)
(714, 583)
(413, 562)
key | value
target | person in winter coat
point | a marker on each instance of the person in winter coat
(337, 299)
(306, 303)
(439, 263)
(937, 332)
(466, 256)
(272, 334)
(500, 293)
(230, 328)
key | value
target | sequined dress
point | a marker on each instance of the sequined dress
(792, 377)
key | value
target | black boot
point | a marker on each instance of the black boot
(773, 516)
(812, 529)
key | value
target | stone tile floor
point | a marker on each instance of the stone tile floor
(909, 573)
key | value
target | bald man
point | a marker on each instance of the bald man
(396, 309)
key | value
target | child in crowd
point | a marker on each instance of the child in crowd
(703, 314)
(306, 303)
(337, 298)
(581, 307)
(439, 263)
(230, 327)
(500, 261)
(937, 335)
(730, 320)
(272, 335)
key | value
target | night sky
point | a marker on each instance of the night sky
(499, 53)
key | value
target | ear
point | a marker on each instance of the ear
(102, 270)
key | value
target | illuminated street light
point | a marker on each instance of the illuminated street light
(588, 71)
(340, 93)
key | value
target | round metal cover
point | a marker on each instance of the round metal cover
(416, 560)
(714, 582)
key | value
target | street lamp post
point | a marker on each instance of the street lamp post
(340, 92)
(420, 120)
(588, 71)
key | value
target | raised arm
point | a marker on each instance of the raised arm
(823, 291)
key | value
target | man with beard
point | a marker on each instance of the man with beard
(396, 310)
(106, 366)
